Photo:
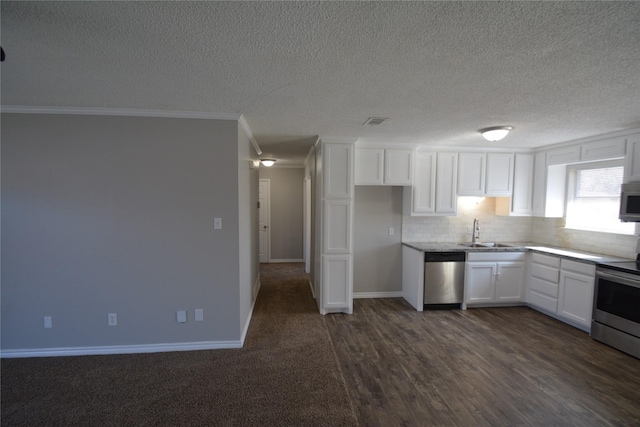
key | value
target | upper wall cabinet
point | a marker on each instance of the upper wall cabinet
(632, 159)
(521, 203)
(485, 174)
(388, 166)
(610, 148)
(434, 188)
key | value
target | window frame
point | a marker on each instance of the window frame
(572, 170)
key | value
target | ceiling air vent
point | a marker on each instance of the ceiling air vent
(375, 121)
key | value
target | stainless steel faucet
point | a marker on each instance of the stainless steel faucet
(476, 231)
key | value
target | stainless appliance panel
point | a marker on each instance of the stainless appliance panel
(616, 339)
(444, 278)
(616, 309)
(630, 202)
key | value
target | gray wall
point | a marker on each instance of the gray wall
(377, 261)
(287, 186)
(115, 214)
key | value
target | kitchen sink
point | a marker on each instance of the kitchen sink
(486, 245)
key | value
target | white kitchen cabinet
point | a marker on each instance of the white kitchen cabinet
(563, 155)
(485, 174)
(494, 278)
(562, 288)
(632, 159)
(471, 174)
(521, 202)
(543, 283)
(434, 189)
(610, 148)
(575, 297)
(549, 187)
(335, 172)
(499, 174)
(378, 166)
(398, 167)
(369, 167)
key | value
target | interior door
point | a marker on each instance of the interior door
(263, 220)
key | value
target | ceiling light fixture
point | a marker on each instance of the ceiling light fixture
(267, 162)
(495, 133)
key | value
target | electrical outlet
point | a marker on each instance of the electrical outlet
(112, 319)
(199, 315)
(48, 322)
(217, 223)
(181, 316)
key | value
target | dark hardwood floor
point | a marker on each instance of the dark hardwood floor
(479, 367)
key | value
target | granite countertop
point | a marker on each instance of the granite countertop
(516, 247)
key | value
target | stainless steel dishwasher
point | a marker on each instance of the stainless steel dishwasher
(443, 279)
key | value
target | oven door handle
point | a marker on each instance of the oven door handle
(618, 279)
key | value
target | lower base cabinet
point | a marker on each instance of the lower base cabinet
(494, 278)
(562, 288)
(575, 299)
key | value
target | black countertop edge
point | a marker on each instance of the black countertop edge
(571, 254)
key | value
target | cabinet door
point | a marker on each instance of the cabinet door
(632, 159)
(337, 164)
(446, 174)
(499, 174)
(522, 199)
(563, 155)
(510, 282)
(480, 282)
(398, 167)
(471, 174)
(424, 187)
(575, 299)
(539, 183)
(610, 148)
(369, 166)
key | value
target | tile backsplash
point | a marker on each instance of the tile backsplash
(493, 228)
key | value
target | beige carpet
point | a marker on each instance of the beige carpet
(286, 375)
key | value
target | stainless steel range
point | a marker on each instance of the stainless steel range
(616, 306)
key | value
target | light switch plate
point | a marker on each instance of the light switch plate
(217, 223)
(47, 322)
(181, 316)
(199, 315)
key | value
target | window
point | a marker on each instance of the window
(593, 201)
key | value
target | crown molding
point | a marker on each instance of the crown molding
(243, 122)
(91, 111)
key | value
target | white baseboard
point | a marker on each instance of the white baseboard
(120, 349)
(313, 291)
(274, 261)
(256, 286)
(361, 295)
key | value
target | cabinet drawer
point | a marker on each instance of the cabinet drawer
(579, 267)
(543, 302)
(551, 261)
(544, 287)
(496, 256)
(549, 274)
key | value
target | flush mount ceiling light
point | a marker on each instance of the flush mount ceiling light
(267, 162)
(495, 133)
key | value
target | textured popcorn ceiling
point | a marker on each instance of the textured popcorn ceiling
(439, 70)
